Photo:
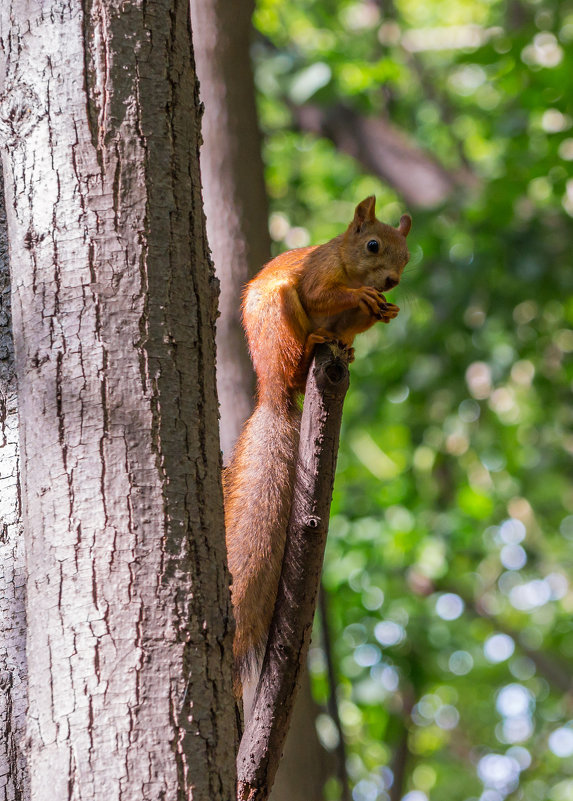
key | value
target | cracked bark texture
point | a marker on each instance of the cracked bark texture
(13, 696)
(129, 626)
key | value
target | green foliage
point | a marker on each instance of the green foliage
(450, 545)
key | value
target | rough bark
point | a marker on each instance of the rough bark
(387, 152)
(13, 680)
(305, 765)
(289, 636)
(129, 635)
(234, 190)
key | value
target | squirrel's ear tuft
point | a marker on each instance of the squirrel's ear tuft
(364, 212)
(405, 224)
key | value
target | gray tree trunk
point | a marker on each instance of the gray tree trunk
(129, 635)
(13, 680)
(234, 189)
(237, 214)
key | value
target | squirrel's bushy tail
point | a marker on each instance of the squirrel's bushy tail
(257, 487)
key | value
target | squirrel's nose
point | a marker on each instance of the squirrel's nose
(390, 283)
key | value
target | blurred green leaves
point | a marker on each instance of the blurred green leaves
(454, 476)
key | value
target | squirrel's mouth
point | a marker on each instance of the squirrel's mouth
(390, 283)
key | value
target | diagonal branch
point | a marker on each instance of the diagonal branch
(289, 637)
(548, 664)
(386, 151)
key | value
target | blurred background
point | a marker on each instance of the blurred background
(447, 580)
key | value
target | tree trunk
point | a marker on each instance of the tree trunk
(129, 635)
(13, 680)
(234, 190)
(237, 213)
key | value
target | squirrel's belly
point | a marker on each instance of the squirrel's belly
(327, 321)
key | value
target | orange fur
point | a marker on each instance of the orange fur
(305, 296)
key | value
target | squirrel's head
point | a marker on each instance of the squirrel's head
(375, 253)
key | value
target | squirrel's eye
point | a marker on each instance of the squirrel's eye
(373, 246)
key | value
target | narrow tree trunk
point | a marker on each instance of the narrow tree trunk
(236, 208)
(129, 635)
(234, 189)
(13, 680)
(237, 215)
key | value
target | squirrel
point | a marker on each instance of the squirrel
(324, 293)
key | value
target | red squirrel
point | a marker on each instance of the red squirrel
(329, 292)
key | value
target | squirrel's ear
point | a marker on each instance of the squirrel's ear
(405, 224)
(364, 212)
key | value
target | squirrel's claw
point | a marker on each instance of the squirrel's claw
(370, 300)
(373, 302)
(388, 313)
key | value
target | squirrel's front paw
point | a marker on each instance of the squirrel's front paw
(370, 300)
(388, 313)
(373, 302)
